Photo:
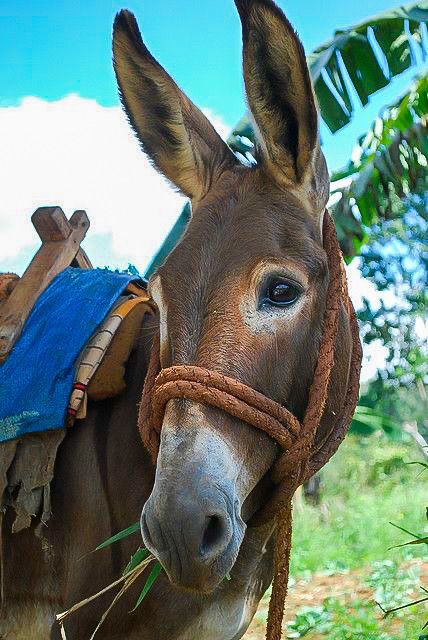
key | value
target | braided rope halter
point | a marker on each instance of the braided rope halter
(300, 457)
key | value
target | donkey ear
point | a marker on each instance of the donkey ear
(279, 91)
(176, 135)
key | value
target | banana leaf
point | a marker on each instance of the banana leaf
(389, 162)
(355, 63)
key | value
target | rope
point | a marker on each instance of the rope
(299, 458)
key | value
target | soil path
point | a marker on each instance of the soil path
(344, 587)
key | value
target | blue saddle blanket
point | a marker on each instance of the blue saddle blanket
(37, 378)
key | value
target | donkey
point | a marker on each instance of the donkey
(243, 293)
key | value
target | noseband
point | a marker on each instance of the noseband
(300, 456)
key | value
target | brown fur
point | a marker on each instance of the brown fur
(246, 224)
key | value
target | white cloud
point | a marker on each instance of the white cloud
(222, 128)
(79, 155)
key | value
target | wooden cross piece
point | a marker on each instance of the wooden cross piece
(60, 248)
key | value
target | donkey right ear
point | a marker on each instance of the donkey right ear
(175, 134)
(281, 98)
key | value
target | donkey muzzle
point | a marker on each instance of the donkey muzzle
(194, 530)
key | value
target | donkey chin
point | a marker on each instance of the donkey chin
(192, 520)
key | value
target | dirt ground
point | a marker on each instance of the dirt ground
(344, 587)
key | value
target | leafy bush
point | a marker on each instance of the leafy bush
(393, 585)
(308, 619)
(356, 621)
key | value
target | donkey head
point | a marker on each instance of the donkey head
(243, 293)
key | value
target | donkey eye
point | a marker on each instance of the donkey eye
(281, 293)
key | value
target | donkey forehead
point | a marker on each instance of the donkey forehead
(240, 227)
(234, 240)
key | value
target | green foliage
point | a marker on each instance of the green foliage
(364, 487)
(154, 573)
(367, 420)
(309, 619)
(356, 621)
(395, 260)
(399, 116)
(133, 528)
(353, 54)
(388, 169)
(139, 556)
(393, 585)
(390, 396)
(417, 538)
(334, 568)
(384, 468)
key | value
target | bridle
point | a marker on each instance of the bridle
(300, 457)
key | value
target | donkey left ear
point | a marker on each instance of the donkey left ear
(281, 98)
(173, 132)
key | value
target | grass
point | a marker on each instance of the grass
(366, 485)
(137, 564)
(342, 561)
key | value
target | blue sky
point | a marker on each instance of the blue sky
(53, 48)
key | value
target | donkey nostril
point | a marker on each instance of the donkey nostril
(214, 535)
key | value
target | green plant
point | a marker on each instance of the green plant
(392, 585)
(335, 568)
(309, 619)
(388, 607)
(384, 468)
(336, 620)
(133, 528)
(355, 620)
(388, 166)
(133, 570)
(140, 556)
(367, 420)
